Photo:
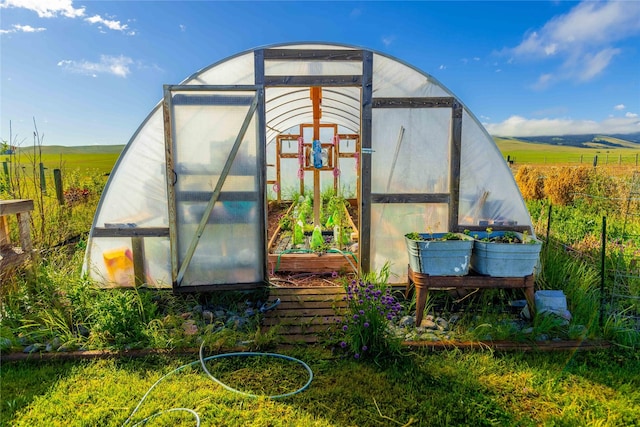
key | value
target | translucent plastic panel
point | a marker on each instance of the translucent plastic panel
(312, 68)
(239, 70)
(137, 189)
(112, 262)
(389, 224)
(488, 192)
(413, 161)
(230, 248)
(394, 79)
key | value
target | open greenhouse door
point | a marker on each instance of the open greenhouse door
(215, 186)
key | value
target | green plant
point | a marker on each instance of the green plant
(370, 308)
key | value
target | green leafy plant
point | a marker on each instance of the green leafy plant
(371, 307)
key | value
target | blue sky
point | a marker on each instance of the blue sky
(89, 72)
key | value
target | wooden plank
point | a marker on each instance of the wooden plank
(429, 102)
(297, 321)
(310, 329)
(12, 207)
(304, 312)
(296, 306)
(329, 81)
(410, 198)
(307, 290)
(313, 54)
(5, 237)
(455, 155)
(131, 232)
(311, 263)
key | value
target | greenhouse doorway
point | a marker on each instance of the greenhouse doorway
(312, 224)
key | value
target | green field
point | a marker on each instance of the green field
(526, 152)
(101, 158)
(96, 158)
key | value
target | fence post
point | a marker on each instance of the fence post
(595, 160)
(602, 268)
(636, 160)
(580, 158)
(548, 227)
(43, 182)
(57, 178)
(5, 166)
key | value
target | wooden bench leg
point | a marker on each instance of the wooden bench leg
(421, 302)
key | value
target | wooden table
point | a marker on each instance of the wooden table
(11, 256)
(424, 282)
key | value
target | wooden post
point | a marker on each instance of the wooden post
(57, 178)
(316, 96)
(5, 166)
(137, 246)
(43, 182)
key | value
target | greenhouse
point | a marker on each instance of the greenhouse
(296, 157)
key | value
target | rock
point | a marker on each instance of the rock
(442, 323)
(82, 330)
(542, 337)
(407, 321)
(190, 327)
(527, 330)
(198, 309)
(429, 317)
(428, 324)
(33, 348)
(219, 314)
(454, 318)
(5, 343)
(208, 316)
(185, 315)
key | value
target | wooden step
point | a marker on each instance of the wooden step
(305, 314)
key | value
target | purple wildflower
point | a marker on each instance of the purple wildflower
(365, 348)
(366, 324)
(343, 344)
(357, 355)
(345, 327)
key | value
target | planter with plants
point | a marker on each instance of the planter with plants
(439, 254)
(504, 253)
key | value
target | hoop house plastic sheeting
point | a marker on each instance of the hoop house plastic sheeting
(185, 205)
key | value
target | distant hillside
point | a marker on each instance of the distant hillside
(631, 140)
(84, 149)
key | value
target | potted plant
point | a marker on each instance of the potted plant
(439, 254)
(504, 253)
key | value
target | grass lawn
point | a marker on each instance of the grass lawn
(416, 388)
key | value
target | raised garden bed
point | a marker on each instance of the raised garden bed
(286, 253)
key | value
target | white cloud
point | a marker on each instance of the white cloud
(631, 115)
(55, 8)
(110, 24)
(388, 40)
(619, 107)
(583, 39)
(47, 8)
(183, 27)
(442, 67)
(116, 65)
(23, 29)
(520, 126)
